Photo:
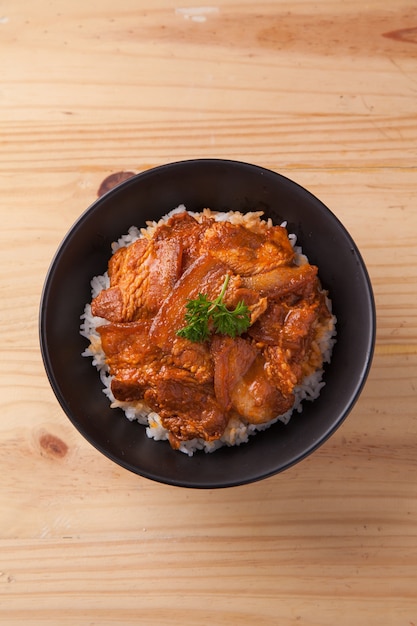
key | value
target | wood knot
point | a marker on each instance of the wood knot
(112, 181)
(408, 35)
(52, 446)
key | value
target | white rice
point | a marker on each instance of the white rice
(237, 431)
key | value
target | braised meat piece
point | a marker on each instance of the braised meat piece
(284, 280)
(236, 293)
(205, 275)
(241, 382)
(186, 409)
(260, 398)
(141, 276)
(246, 252)
(135, 360)
(232, 359)
(186, 230)
(132, 359)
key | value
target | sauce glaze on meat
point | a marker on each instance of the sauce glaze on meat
(196, 388)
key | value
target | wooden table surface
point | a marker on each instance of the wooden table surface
(322, 92)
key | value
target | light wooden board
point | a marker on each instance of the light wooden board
(324, 93)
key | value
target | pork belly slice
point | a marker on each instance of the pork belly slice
(246, 252)
(232, 358)
(185, 229)
(164, 272)
(286, 323)
(136, 363)
(188, 410)
(258, 399)
(192, 357)
(206, 275)
(141, 276)
(112, 304)
(241, 383)
(127, 344)
(236, 293)
(132, 359)
(109, 304)
(288, 334)
(293, 352)
(283, 281)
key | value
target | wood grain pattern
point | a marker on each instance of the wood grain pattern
(324, 93)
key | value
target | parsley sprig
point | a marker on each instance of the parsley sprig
(201, 311)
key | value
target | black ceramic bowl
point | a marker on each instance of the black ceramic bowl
(219, 185)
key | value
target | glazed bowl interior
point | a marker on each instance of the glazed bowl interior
(219, 185)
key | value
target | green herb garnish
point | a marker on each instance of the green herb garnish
(200, 311)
